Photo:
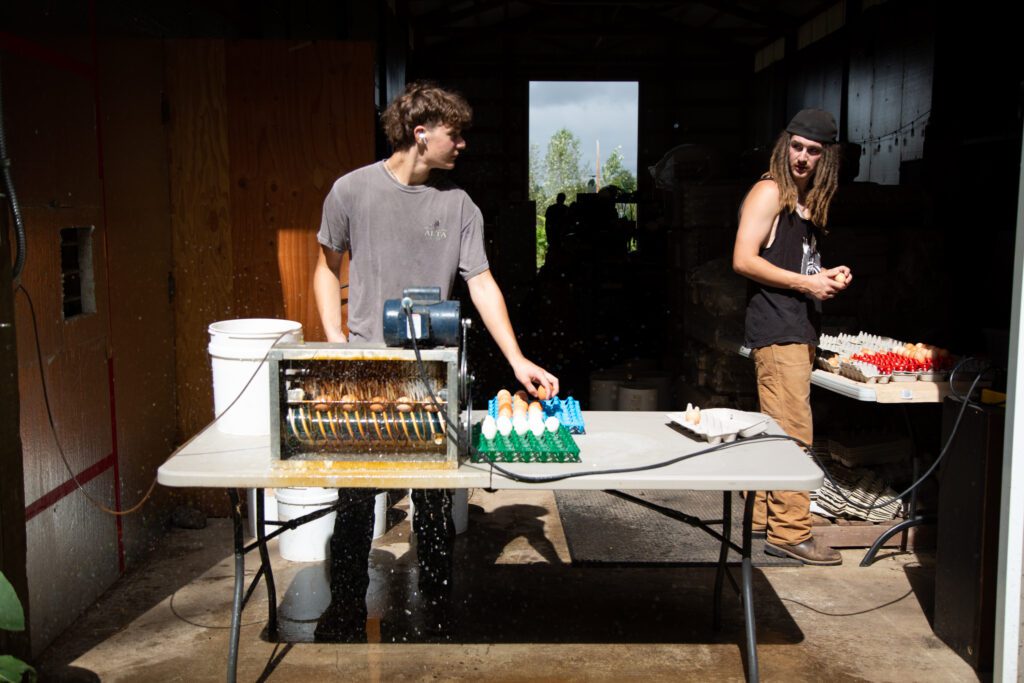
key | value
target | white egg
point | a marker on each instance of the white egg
(551, 424)
(537, 428)
(520, 425)
(504, 425)
(489, 428)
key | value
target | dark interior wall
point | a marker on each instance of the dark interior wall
(696, 102)
(916, 79)
(87, 151)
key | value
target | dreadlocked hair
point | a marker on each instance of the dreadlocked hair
(822, 186)
(423, 104)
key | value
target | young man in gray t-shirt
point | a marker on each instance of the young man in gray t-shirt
(405, 225)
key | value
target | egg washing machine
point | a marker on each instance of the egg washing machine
(376, 405)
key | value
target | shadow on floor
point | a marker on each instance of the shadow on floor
(543, 602)
(183, 556)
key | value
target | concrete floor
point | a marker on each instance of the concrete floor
(524, 613)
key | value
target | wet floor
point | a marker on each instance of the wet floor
(522, 611)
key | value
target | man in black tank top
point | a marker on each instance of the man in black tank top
(781, 222)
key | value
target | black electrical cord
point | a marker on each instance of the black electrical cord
(720, 446)
(5, 171)
(964, 402)
(53, 428)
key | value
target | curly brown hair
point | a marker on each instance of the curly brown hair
(423, 103)
(822, 186)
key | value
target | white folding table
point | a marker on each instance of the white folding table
(613, 441)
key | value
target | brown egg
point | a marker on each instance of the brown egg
(505, 411)
(522, 395)
(377, 404)
(504, 393)
(542, 392)
(321, 407)
(403, 404)
(348, 402)
(840, 278)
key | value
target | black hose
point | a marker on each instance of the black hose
(5, 168)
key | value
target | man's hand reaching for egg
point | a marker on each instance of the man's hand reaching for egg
(538, 381)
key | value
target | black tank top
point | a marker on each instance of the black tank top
(783, 316)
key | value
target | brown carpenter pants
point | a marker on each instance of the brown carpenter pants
(784, 390)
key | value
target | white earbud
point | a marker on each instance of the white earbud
(423, 137)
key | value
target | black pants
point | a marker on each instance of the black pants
(353, 533)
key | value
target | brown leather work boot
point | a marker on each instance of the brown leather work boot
(808, 552)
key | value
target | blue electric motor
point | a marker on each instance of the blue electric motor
(434, 322)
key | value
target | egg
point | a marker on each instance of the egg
(520, 425)
(504, 394)
(542, 392)
(489, 428)
(505, 411)
(551, 424)
(377, 404)
(840, 278)
(535, 407)
(537, 428)
(403, 404)
(522, 395)
(348, 402)
(504, 425)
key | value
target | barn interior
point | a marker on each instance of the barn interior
(171, 160)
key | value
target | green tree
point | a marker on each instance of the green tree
(614, 172)
(536, 179)
(562, 169)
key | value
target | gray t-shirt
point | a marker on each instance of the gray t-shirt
(399, 236)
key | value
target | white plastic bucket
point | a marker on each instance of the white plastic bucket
(638, 396)
(269, 511)
(309, 542)
(306, 597)
(237, 348)
(604, 389)
(460, 509)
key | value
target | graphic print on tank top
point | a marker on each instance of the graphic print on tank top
(810, 263)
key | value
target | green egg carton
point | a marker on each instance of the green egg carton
(548, 447)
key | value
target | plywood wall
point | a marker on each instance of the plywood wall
(50, 121)
(258, 132)
(138, 249)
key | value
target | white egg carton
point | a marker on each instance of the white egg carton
(848, 344)
(859, 371)
(723, 425)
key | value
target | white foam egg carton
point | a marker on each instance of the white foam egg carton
(860, 371)
(723, 425)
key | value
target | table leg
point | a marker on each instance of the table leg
(723, 556)
(268, 571)
(748, 591)
(236, 609)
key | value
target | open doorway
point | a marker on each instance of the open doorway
(583, 151)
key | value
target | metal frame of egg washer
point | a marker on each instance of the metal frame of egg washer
(363, 437)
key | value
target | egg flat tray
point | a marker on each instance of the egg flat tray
(723, 425)
(548, 447)
(566, 410)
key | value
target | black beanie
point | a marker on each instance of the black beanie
(814, 124)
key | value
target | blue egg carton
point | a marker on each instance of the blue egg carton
(567, 411)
